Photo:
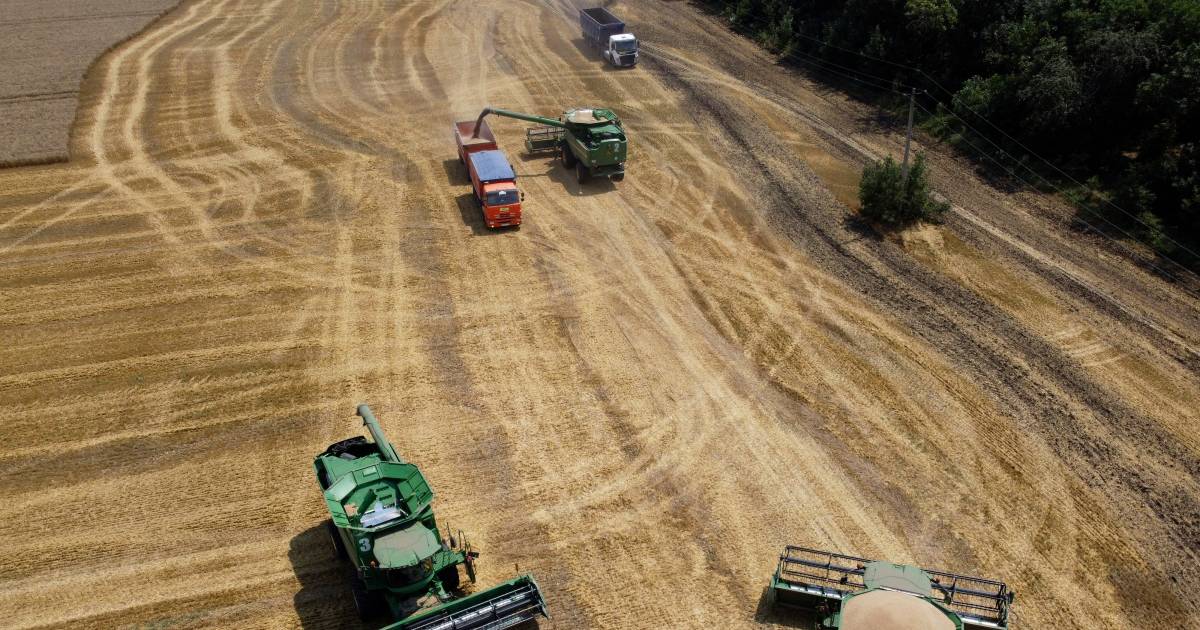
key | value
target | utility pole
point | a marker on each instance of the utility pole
(912, 98)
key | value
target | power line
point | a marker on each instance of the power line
(815, 64)
(1177, 279)
(1056, 187)
(886, 84)
(939, 86)
(766, 21)
(889, 82)
(1069, 274)
(865, 56)
(848, 76)
(935, 83)
(1058, 170)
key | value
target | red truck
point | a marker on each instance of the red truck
(492, 177)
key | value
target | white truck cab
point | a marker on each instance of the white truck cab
(622, 49)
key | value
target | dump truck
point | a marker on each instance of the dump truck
(493, 181)
(849, 593)
(604, 31)
(405, 567)
(589, 140)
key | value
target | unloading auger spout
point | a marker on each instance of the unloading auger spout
(385, 447)
(541, 120)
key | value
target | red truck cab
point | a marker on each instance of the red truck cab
(495, 186)
(492, 178)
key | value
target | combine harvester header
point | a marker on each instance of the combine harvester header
(859, 594)
(382, 522)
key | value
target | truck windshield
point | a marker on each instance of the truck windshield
(502, 197)
(625, 46)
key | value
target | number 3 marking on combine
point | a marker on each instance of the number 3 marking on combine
(364, 544)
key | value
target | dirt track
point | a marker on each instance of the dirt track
(640, 396)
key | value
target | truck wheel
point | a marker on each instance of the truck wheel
(581, 172)
(568, 158)
(339, 548)
(368, 604)
(449, 577)
(618, 177)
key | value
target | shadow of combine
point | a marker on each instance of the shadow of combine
(786, 617)
(566, 178)
(324, 599)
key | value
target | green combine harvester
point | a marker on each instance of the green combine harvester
(382, 522)
(589, 140)
(850, 593)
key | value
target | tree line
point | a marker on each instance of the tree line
(1108, 91)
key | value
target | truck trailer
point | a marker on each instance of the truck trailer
(606, 32)
(493, 181)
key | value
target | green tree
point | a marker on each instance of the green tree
(930, 17)
(980, 97)
(891, 199)
(778, 35)
(1050, 92)
(742, 12)
(1108, 91)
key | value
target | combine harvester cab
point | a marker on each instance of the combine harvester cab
(590, 140)
(851, 593)
(382, 522)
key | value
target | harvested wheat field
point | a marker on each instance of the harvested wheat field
(640, 396)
